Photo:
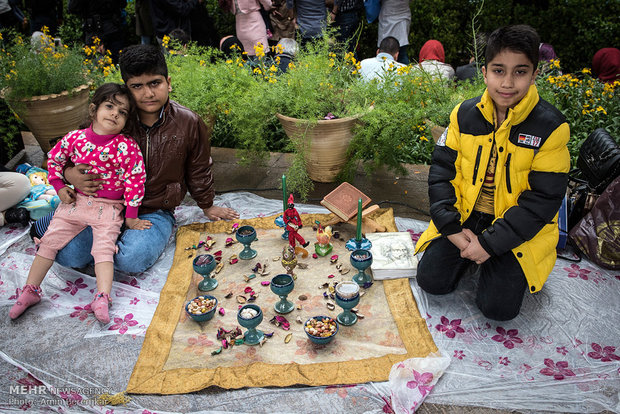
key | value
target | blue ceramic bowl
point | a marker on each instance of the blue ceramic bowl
(245, 234)
(252, 322)
(282, 284)
(361, 259)
(208, 263)
(202, 317)
(321, 340)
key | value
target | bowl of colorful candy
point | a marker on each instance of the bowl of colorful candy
(321, 329)
(201, 308)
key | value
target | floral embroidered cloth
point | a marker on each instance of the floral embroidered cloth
(177, 352)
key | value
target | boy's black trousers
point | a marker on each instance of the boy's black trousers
(502, 282)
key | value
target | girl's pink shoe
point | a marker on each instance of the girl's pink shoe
(30, 295)
(100, 307)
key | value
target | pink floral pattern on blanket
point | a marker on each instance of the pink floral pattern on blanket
(422, 382)
(508, 338)
(450, 327)
(73, 287)
(122, 325)
(81, 313)
(558, 370)
(605, 354)
(575, 271)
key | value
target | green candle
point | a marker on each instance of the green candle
(284, 192)
(358, 236)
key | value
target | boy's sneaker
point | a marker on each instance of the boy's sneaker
(100, 305)
(30, 295)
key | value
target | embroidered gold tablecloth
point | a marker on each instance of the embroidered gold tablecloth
(176, 356)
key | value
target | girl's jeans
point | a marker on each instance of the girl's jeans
(137, 249)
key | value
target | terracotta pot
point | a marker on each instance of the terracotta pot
(327, 144)
(52, 116)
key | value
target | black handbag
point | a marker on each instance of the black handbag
(599, 160)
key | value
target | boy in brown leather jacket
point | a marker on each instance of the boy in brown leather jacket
(177, 156)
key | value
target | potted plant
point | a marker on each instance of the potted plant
(48, 84)
(409, 107)
(385, 122)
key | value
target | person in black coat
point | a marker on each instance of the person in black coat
(44, 13)
(102, 19)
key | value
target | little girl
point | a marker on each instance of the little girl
(119, 161)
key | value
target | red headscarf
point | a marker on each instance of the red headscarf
(432, 50)
(606, 64)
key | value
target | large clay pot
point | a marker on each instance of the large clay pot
(52, 116)
(327, 143)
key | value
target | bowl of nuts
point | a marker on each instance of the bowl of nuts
(321, 329)
(201, 308)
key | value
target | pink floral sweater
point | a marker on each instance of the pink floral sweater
(116, 157)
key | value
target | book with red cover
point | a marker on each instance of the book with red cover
(342, 201)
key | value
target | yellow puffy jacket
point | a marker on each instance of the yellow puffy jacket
(530, 179)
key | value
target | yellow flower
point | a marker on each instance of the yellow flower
(259, 50)
(601, 109)
(586, 71)
(423, 138)
(202, 62)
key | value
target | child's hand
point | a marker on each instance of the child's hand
(67, 195)
(137, 224)
(216, 213)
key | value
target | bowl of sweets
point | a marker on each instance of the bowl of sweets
(201, 308)
(321, 329)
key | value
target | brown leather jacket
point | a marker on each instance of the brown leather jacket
(177, 155)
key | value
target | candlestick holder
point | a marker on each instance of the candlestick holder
(246, 235)
(361, 260)
(204, 265)
(282, 285)
(251, 320)
(279, 221)
(361, 244)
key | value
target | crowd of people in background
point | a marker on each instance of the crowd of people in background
(265, 22)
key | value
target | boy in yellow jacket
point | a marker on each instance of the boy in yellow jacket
(497, 179)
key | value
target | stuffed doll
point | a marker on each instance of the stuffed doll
(42, 198)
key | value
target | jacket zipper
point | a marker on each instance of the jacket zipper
(508, 186)
(478, 155)
(148, 141)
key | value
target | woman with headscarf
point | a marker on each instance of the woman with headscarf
(432, 60)
(606, 64)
